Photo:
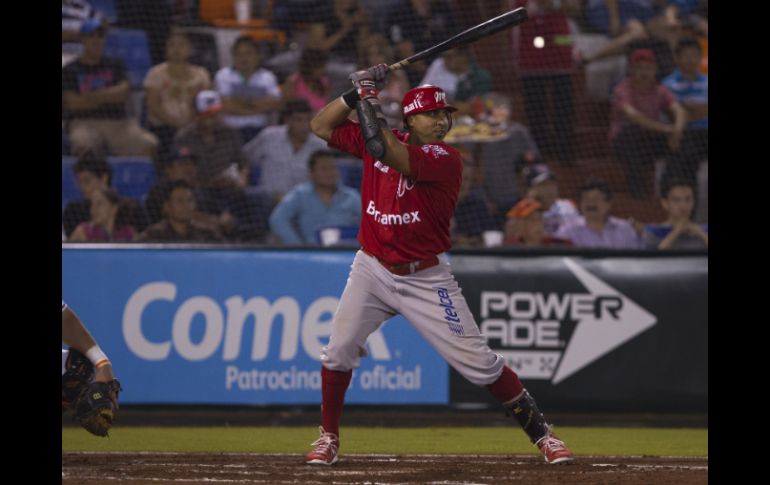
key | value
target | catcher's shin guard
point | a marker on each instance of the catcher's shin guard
(526, 412)
(78, 372)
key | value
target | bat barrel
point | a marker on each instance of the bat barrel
(484, 29)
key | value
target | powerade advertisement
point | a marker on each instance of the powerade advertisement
(607, 334)
(185, 326)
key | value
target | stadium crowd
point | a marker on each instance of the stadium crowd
(220, 114)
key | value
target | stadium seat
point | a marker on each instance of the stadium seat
(132, 176)
(108, 8)
(133, 48)
(69, 186)
(254, 174)
(210, 10)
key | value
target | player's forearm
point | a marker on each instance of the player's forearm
(396, 153)
(104, 373)
(331, 116)
(74, 333)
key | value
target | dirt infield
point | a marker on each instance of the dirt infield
(241, 468)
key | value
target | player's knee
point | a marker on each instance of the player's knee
(484, 372)
(342, 355)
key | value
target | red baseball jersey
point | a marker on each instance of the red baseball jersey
(404, 219)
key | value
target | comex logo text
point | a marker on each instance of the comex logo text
(224, 326)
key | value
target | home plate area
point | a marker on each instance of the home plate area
(87, 468)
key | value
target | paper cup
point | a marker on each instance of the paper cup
(492, 238)
(243, 10)
(330, 236)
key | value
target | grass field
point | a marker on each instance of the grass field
(582, 441)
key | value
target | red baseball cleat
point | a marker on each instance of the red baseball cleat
(324, 449)
(553, 449)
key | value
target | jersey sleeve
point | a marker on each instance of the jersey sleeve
(347, 138)
(434, 163)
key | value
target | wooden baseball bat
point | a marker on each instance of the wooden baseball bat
(492, 26)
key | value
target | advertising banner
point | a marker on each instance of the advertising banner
(226, 326)
(591, 334)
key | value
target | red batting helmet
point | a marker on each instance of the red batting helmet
(425, 98)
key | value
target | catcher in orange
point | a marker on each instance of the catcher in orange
(87, 383)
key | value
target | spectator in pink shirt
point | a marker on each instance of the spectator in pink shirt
(108, 220)
(310, 82)
(638, 132)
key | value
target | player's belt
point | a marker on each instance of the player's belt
(403, 269)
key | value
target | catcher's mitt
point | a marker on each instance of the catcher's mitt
(79, 371)
(96, 406)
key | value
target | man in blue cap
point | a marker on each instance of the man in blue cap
(94, 95)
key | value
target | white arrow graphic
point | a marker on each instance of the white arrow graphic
(595, 337)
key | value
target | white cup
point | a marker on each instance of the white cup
(492, 238)
(243, 10)
(330, 236)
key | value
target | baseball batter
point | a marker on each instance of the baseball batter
(409, 190)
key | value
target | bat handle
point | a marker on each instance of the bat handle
(398, 65)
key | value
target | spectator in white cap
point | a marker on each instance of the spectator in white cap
(216, 146)
(544, 189)
(223, 169)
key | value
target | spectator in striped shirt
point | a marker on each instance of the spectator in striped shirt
(691, 89)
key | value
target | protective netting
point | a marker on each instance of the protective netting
(576, 97)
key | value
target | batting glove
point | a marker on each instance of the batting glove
(379, 72)
(365, 85)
